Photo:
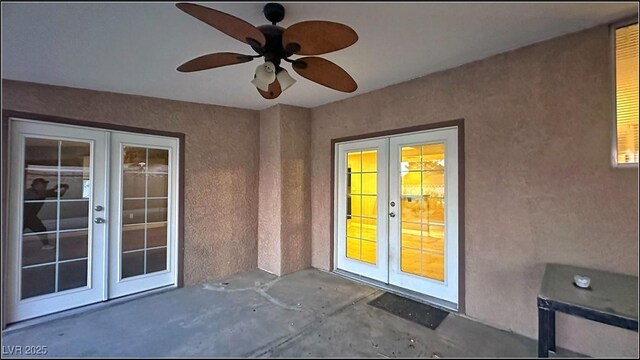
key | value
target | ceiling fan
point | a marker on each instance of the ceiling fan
(275, 44)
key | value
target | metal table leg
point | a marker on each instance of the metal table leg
(552, 330)
(543, 332)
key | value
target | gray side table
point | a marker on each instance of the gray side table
(610, 299)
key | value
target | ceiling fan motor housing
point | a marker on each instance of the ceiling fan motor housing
(273, 50)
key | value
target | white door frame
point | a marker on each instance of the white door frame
(458, 125)
(95, 290)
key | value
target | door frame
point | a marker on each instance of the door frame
(51, 119)
(459, 123)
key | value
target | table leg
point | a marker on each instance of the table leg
(552, 330)
(543, 332)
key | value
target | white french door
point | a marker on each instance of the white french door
(93, 216)
(362, 225)
(143, 225)
(55, 251)
(413, 211)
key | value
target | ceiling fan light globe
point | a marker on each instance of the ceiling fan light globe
(285, 79)
(265, 75)
(260, 84)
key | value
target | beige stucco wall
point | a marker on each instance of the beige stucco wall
(270, 203)
(221, 165)
(539, 182)
(296, 188)
(284, 239)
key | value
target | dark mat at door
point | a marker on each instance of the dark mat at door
(422, 314)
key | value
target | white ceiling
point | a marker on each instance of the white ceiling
(134, 48)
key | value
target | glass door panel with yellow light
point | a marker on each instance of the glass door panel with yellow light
(362, 220)
(423, 235)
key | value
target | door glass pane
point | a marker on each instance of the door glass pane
(75, 163)
(73, 245)
(133, 211)
(33, 252)
(133, 184)
(38, 280)
(145, 210)
(157, 210)
(361, 199)
(158, 185)
(156, 235)
(156, 259)
(39, 216)
(72, 274)
(369, 206)
(133, 237)
(422, 210)
(56, 212)
(158, 161)
(74, 215)
(132, 263)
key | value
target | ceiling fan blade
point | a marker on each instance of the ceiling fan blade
(317, 37)
(215, 60)
(228, 24)
(324, 72)
(274, 91)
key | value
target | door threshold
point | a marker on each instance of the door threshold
(415, 296)
(23, 324)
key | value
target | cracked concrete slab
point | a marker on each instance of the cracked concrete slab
(307, 313)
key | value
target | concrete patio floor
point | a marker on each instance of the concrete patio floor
(309, 313)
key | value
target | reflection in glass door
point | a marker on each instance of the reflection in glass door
(422, 210)
(145, 180)
(58, 173)
(56, 216)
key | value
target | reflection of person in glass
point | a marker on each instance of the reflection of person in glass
(38, 191)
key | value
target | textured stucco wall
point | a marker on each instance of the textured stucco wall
(539, 182)
(296, 188)
(270, 204)
(284, 239)
(221, 165)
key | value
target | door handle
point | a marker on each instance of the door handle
(392, 214)
(99, 220)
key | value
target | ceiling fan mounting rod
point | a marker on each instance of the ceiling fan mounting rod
(274, 12)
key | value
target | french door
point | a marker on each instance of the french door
(92, 216)
(397, 211)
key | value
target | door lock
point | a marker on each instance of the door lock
(99, 220)
(99, 208)
(393, 203)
